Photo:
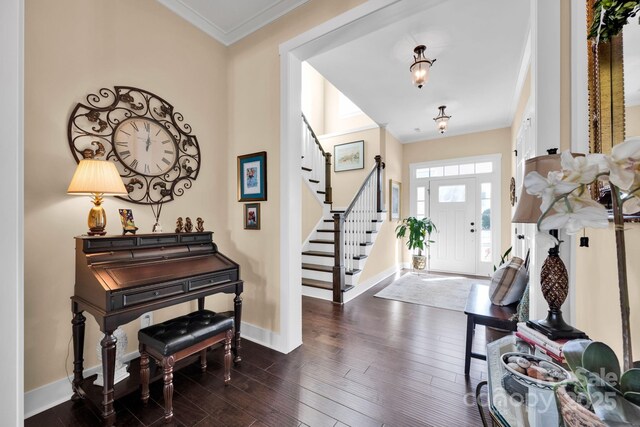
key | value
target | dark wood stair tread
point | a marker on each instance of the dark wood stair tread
(323, 285)
(327, 242)
(329, 254)
(321, 192)
(306, 169)
(325, 268)
(315, 181)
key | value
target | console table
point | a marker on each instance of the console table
(511, 403)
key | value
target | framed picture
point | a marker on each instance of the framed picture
(126, 218)
(252, 177)
(394, 199)
(348, 156)
(252, 216)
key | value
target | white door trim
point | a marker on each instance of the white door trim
(12, 212)
(495, 180)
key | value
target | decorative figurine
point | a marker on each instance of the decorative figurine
(199, 225)
(126, 218)
(188, 226)
(179, 226)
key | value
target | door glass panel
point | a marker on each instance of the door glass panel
(422, 173)
(420, 192)
(484, 167)
(486, 249)
(468, 169)
(437, 171)
(420, 212)
(451, 170)
(451, 193)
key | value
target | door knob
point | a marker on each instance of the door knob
(520, 236)
(473, 223)
(473, 230)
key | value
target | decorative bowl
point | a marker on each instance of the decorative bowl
(547, 374)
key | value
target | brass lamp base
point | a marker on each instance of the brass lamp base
(97, 220)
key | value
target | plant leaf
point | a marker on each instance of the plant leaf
(633, 397)
(572, 351)
(609, 405)
(630, 381)
(601, 360)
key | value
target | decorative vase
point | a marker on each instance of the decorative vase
(419, 262)
(573, 413)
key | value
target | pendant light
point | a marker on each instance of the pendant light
(420, 67)
(442, 119)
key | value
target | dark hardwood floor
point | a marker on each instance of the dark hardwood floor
(372, 362)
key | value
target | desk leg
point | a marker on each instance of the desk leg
(237, 311)
(471, 324)
(201, 303)
(108, 344)
(78, 323)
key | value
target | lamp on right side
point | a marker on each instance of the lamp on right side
(554, 279)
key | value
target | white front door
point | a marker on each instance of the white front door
(452, 208)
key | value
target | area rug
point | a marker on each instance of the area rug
(448, 292)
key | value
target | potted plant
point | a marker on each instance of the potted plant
(602, 394)
(419, 237)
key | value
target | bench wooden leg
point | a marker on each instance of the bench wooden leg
(144, 374)
(227, 357)
(471, 324)
(203, 360)
(167, 364)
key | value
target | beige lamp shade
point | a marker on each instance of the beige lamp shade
(96, 176)
(528, 209)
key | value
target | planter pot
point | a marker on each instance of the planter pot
(574, 414)
(419, 262)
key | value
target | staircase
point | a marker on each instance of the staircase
(335, 254)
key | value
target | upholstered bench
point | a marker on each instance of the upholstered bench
(175, 339)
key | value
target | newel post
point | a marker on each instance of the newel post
(338, 260)
(379, 167)
(327, 178)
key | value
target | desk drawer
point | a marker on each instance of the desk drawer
(160, 239)
(132, 298)
(106, 243)
(213, 280)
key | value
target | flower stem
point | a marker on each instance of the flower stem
(618, 221)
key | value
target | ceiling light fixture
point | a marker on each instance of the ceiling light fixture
(420, 67)
(442, 119)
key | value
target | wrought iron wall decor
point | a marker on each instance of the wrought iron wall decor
(153, 148)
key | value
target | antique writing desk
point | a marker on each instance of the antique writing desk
(118, 278)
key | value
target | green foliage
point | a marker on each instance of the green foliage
(486, 219)
(419, 232)
(617, 13)
(503, 258)
(613, 397)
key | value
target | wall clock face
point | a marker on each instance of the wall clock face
(153, 149)
(145, 147)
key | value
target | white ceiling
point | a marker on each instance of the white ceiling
(230, 20)
(478, 47)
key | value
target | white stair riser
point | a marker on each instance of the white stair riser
(325, 276)
(323, 247)
(323, 236)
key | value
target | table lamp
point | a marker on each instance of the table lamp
(96, 178)
(554, 279)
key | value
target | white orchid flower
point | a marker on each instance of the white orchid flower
(546, 241)
(573, 214)
(580, 169)
(624, 163)
(548, 188)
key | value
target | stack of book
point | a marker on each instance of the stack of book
(552, 348)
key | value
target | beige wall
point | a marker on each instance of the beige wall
(473, 144)
(254, 125)
(73, 48)
(345, 184)
(632, 121)
(596, 290)
(333, 122)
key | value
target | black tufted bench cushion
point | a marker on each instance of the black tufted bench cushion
(175, 339)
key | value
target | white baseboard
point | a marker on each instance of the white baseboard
(52, 394)
(359, 289)
(371, 282)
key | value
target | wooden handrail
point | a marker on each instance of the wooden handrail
(376, 169)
